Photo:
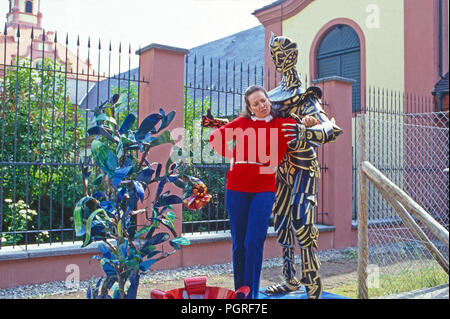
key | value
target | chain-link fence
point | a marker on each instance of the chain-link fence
(411, 149)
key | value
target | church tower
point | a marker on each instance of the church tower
(24, 12)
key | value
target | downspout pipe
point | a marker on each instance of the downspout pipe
(440, 38)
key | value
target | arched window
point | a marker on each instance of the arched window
(29, 7)
(339, 54)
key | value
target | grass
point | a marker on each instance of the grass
(425, 276)
(399, 278)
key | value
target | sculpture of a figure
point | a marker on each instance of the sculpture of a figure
(298, 173)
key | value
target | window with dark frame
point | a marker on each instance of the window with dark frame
(29, 7)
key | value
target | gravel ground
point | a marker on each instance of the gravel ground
(155, 276)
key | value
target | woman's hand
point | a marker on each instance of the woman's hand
(209, 120)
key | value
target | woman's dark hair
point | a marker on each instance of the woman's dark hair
(247, 113)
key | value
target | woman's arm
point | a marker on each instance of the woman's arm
(218, 138)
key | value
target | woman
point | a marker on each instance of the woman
(260, 144)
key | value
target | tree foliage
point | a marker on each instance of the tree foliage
(40, 126)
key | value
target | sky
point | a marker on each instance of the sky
(179, 23)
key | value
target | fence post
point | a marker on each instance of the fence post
(162, 69)
(363, 227)
(337, 156)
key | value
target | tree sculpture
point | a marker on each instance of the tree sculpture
(108, 211)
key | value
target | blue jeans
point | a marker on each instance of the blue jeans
(249, 219)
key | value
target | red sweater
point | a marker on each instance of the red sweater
(254, 141)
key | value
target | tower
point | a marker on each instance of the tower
(24, 12)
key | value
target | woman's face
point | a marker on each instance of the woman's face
(259, 104)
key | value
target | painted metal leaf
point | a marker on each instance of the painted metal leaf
(104, 157)
(171, 216)
(78, 216)
(123, 248)
(158, 170)
(158, 238)
(103, 117)
(147, 125)
(98, 230)
(133, 262)
(90, 292)
(104, 250)
(151, 231)
(121, 193)
(181, 241)
(139, 190)
(107, 206)
(114, 99)
(168, 200)
(99, 130)
(120, 173)
(132, 201)
(127, 123)
(142, 231)
(168, 223)
(153, 253)
(120, 229)
(147, 249)
(175, 245)
(148, 138)
(161, 186)
(120, 151)
(166, 119)
(115, 291)
(162, 138)
(145, 265)
(157, 221)
(179, 183)
(107, 267)
(145, 176)
(89, 221)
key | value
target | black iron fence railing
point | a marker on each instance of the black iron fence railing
(220, 86)
(46, 87)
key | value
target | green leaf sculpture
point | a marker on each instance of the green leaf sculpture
(108, 212)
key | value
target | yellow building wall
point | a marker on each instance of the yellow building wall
(384, 44)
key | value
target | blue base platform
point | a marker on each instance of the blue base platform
(299, 294)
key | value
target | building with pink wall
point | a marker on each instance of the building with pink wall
(403, 44)
(25, 37)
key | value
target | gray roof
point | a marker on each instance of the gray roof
(103, 90)
(243, 47)
(223, 68)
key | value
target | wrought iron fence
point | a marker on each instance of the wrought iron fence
(220, 86)
(408, 142)
(46, 89)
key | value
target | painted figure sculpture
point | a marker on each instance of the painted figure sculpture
(298, 173)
